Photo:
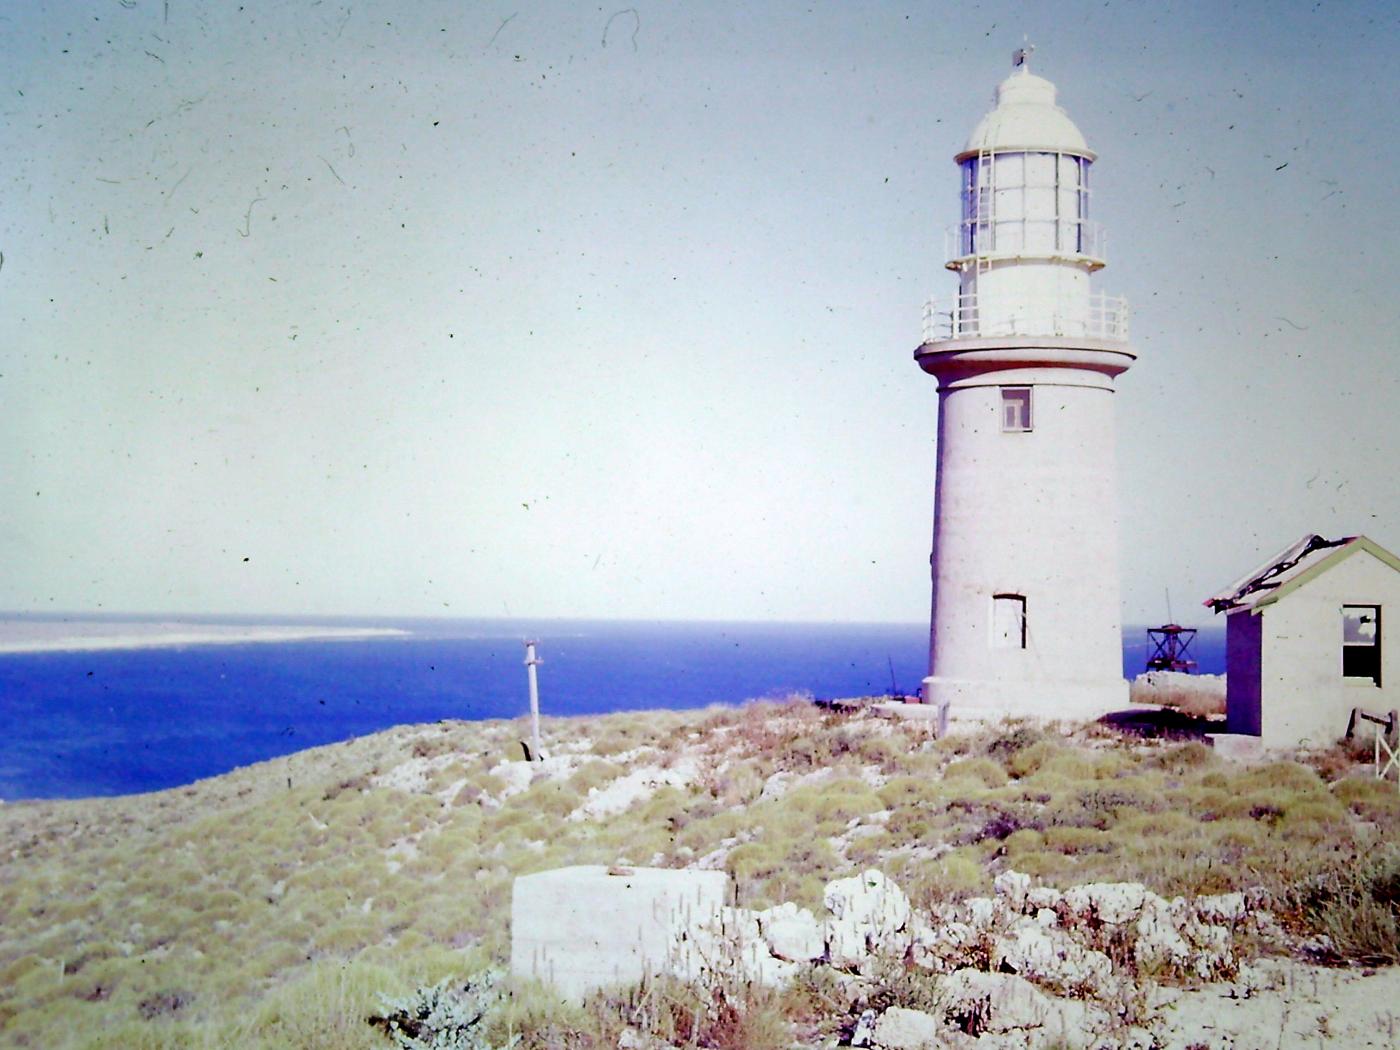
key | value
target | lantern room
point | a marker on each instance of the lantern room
(1025, 202)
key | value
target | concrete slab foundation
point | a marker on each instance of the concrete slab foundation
(913, 712)
(1067, 700)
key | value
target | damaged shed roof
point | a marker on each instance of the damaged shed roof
(1251, 590)
(1290, 568)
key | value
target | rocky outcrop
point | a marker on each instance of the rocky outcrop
(1029, 966)
(1046, 953)
(626, 791)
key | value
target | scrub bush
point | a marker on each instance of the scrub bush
(1074, 840)
(983, 770)
(1356, 904)
(1028, 759)
(832, 801)
(1369, 798)
(905, 791)
(449, 1015)
(951, 877)
(723, 1015)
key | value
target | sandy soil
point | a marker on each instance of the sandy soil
(36, 636)
(1277, 1003)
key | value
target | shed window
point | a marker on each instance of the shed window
(1361, 642)
(1015, 409)
(1008, 621)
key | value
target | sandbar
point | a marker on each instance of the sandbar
(40, 636)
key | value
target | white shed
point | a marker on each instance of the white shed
(1306, 641)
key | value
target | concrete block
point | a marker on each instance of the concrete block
(583, 928)
(1237, 747)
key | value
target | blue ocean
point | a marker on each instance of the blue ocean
(117, 722)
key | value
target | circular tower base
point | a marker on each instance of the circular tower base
(1074, 701)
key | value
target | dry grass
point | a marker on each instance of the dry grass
(269, 906)
(1199, 696)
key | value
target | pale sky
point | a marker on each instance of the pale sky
(474, 309)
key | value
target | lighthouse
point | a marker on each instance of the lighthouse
(1026, 618)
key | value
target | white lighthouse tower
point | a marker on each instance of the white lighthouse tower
(1026, 616)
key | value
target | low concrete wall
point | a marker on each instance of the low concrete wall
(582, 928)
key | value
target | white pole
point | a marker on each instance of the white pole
(531, 662)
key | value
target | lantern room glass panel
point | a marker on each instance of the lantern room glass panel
(1041, 226)
(1034, 202)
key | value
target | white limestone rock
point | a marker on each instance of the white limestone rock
(901, 1029)
(846, 945)
(1038, 897)
(730, 945)
(1135, 1037)
(983, 912)
(1267, 927)
(868, 899)
(1075, 1023)
(759, 965)
(1012, 887)
(948, 946)
(864, 1032)
(780, 783)
(792, 933)
(1222, 908)
(1031, 951)
(632, 1039)
(976, 1002)
(1051, 957)
(1159, 945)
(413, 775)
(1111, 903)
(776, 786)
(516, 777)
(740, 924)
(870, 915)
(1070, 1024)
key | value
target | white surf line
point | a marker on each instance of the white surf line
(25, 640)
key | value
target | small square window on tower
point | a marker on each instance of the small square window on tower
(1361, 642)
(1008, 621)
(1015, 409)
